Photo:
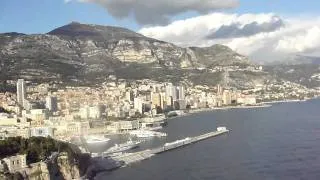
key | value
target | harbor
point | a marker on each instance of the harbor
(129, 158)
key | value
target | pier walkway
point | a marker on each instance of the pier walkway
(129, 158)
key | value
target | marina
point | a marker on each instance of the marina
(129, 158)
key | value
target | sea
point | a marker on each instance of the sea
(277, 142)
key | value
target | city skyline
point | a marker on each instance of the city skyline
(262, 30)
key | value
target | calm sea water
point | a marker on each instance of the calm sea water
(279, 142)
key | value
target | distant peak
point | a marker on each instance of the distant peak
(219, 46)
(92, 31)
(13, 34)
(75, 22)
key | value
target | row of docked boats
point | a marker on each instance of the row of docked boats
(122, 148)
(142, 133)
(147, 133)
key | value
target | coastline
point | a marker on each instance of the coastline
(260, 105)
(243, 124)
(225, 108)
(287, 101)
(195, 111)
(243, 107)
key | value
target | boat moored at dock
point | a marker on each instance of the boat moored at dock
(130, 158)
(177, 143)
(96, 140)
(222, 128)
(122, 147)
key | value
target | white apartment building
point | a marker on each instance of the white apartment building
(21, 91)
(15, 163)
(120, 126)
(41, 132)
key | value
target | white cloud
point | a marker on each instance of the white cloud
(295, 36)
(194, 30)
(236, 29)
(301, 42)
(159, 11)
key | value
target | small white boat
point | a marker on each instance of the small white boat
(222, 128)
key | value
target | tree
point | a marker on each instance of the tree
(2, 110)
(159, 110)
(32, 156)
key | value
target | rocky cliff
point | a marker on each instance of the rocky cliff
(60, 167)
(64, 167)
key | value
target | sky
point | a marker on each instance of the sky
(261, 29)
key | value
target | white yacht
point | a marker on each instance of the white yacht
(222, 128)
(178, 142)
(97, 140)
(154, 128)
(122, 147)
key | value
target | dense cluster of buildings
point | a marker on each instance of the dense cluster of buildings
(118, 105)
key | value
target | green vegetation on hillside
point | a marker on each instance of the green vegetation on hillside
(36, 148)
(4, 87)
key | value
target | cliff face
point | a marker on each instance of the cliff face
(79, 51)
(218, 55)
(68, 171)
(61, 167)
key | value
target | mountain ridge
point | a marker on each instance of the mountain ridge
(82, 52)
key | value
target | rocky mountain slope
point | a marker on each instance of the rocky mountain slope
(296, 59)
(301, 59)
(305, 74)
(88, 53)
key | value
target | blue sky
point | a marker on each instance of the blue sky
(40, 16)
(293, 7)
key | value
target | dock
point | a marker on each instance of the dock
(129, 158)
